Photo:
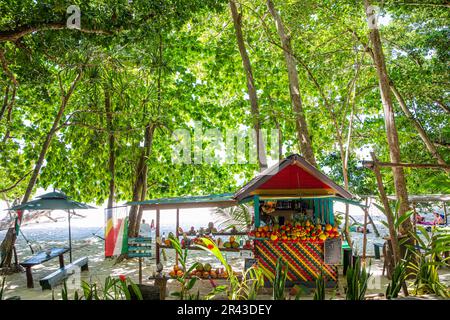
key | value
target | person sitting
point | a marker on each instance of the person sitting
(438, 220)
(419, 218)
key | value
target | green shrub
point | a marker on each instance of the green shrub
(319, 294)
(113, 289)
(357, 280)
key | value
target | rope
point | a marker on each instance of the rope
(96, 235)
(27, 241)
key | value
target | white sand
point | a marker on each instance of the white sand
(51, 234)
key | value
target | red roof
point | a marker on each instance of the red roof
(293, 177)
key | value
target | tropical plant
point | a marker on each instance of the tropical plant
(427, 258)
(278, 279)
(113, 289)
(245, 288)
(319, 294)
(357, 280)
(397, 218)
(2, 288)
(186, 283)
(235, 216)
(397, 280)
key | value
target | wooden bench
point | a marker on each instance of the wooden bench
(55, 278)
(42, 257)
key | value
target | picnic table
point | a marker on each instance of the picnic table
(40, 258)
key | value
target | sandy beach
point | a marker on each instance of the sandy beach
(85, 232)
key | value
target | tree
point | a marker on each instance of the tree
(304, 139)
(260, 146)
(391, 130)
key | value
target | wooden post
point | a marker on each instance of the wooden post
(70, 236)
(256, 209)
(445, 212)
(157, 236)
(61, 261)
(365, 235)
(140, 270)
(177, 234)
(415, 218)
(375, 229)
(387, 209)
(30, 283)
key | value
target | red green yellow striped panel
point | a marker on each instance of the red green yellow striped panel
(304, 259)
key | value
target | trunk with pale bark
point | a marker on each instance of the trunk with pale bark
(111, 145)
(10, 238)
(391, 129)
(294, 88)
(443, 106)
(416, 123)
(260, 146)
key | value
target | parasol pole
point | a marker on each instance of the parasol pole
(70, 237)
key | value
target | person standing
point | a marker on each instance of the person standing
(145, 229)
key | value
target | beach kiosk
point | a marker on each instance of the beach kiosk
(292, 219)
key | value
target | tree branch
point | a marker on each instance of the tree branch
(16, 183)
(6, 68)
(16, 34)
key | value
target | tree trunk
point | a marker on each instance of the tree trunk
(443, 106)
(9, 114)
(423, 135)
(391, 130)
(256, 118)
(5, 102)
(137, 191)
(388, 212)
(9, 241)
(294, 88)
(346, 152)
(111, 144)
(6, 248)
(48, 139)
(140, 185)
(149, 132)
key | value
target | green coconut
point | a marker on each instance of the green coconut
(199, 267)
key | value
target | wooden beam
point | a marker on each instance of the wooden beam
(365, 237)
(189, 205)
(157, 232)
(256, 210)
(445, 212)
(177, 233)
(370, 165)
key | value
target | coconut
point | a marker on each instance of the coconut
(199, 267)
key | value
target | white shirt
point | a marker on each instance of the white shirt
(145, 230)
